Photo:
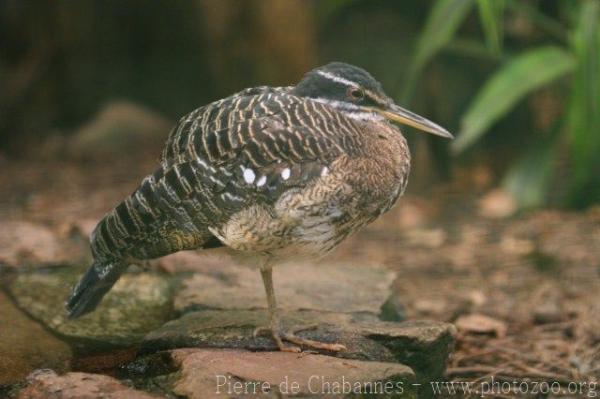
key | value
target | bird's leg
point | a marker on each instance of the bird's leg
(266, 272)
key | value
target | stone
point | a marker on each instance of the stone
(192, 261)
(25, 243)
(298, 286)
(423, 346)
(426, 238)
(137, 304)
(497, 204)
(119, 128)
(212, 373)
(548, 312)
(393, 309)
(26, 346)
(47, 384)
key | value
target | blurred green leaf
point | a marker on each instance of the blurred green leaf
(526, 72)
(528, 179)
(442, 22)
(491, 14)
(473, 49)
(584, 108)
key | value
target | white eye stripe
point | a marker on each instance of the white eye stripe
(337, 79)
(335, 103)
(347, 82)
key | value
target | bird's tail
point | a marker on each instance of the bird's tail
(92, 287)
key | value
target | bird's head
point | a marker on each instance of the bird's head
(353, 91)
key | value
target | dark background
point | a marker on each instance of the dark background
(62, 63)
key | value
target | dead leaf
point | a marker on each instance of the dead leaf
(497, 204)
(481, 324)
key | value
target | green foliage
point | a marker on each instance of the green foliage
(507, 86)
(584, 108)
(575, 54)
(528, 179)
(491, 13)
(443, 21)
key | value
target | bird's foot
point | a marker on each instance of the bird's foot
(290, 336)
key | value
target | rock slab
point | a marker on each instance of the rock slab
(44, 384)
(423, 346)
(137, 304)
(26, 346)
(331, 287)
(212, 373)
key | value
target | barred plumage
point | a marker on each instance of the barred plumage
(269, 171)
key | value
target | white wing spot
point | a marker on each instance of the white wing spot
(285, 174)
(261, 181)
(324, 171)
(249, 176)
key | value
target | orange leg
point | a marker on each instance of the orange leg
(275, 326)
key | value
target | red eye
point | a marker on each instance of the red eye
(355, 94)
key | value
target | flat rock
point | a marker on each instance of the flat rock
(423, 346)
(120, 127)
(211, 373)
(325, 287)
(137, 304)
(26, 346)
(44, 384)
(25, 243)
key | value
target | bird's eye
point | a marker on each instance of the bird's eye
(355, 94)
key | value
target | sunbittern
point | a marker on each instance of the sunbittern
(271, 172)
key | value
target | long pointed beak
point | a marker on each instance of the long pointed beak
(398, 114)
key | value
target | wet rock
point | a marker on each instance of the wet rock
(155, 373)
(423, 346)
(137, 304)
(331, 287)
(208, 373)
(25, 243)
(26, 346)
(120, 127)
(47, 384)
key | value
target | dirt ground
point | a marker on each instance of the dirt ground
(523, 291)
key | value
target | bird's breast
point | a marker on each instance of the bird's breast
(315, 218)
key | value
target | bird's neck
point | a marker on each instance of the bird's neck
(385, 143)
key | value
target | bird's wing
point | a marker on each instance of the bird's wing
(263, 124)
(258, 143)
(242, 151)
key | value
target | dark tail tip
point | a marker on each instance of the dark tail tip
(92, 287)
